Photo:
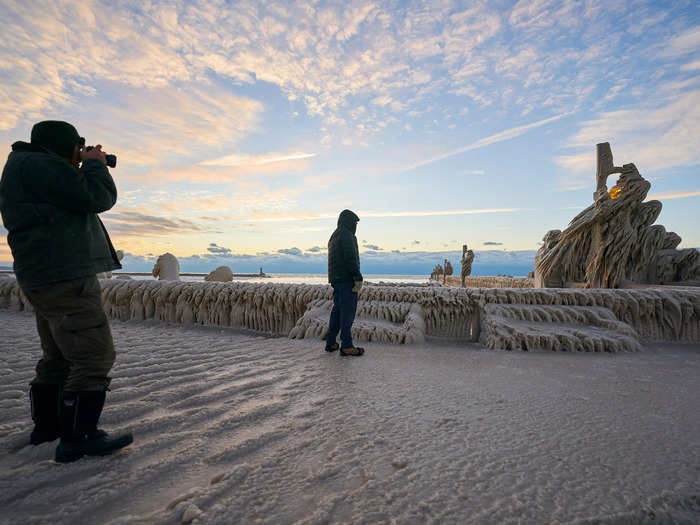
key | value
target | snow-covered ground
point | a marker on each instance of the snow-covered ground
(233, 427)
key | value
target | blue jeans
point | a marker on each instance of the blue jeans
(342, 314)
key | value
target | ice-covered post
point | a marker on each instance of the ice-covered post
(604, 168)
(467, 259)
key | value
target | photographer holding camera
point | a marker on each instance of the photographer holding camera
(51, 191)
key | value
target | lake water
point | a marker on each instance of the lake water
(309, 278)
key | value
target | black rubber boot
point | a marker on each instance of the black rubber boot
(80, 412)
(45, 403)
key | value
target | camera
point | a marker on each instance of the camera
(110, 160)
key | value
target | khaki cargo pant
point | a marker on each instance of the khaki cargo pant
(78, 351)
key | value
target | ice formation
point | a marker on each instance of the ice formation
(654, 314)
(558, 319)
(467, 259)
(437, 272)
(167, 268)
(490, 281)
(448, 268)
(221, 274)
(380, 321)
(555, 327)
(614, 240)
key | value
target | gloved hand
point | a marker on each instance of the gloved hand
(357, 287)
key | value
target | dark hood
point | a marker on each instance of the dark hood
(26, 146)
(349, 220)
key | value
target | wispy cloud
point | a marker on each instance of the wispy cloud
(419, 213)
(133, 223)
(256, 160)
(686, 42)
(677, 195)
(290, 251)
(188, 96)
(324, 56)
(308, 216)
(691, 66)
(218, 250)
(501, 136)
(654, 138)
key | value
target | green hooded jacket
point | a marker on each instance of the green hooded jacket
(343, 253)
(50, 212)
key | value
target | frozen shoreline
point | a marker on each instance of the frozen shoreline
(234, 427)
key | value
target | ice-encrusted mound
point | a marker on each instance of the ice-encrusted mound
(379, 321)
(615, 239)
(222, 274)
(555, 327)
(167, 268)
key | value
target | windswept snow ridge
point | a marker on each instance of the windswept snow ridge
(233, 427)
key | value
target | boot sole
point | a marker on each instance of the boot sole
(361, 352)
(114, 445)
(67, 453)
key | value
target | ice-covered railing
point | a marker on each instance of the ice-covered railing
(667, 315)
(656, 314)
(265, 307)
(490, 281)
(380, 321)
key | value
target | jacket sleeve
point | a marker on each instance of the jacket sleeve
(90, 190)
(351, 256)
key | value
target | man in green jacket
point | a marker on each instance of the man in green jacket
(49, 204)
(346, 279)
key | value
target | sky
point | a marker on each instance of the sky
(242, 129)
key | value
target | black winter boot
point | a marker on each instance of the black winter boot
(45, 402)
(80, 412)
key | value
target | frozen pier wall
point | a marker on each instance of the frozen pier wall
(404, 314)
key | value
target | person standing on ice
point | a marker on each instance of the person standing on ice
(346, 279)
(49, 203)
